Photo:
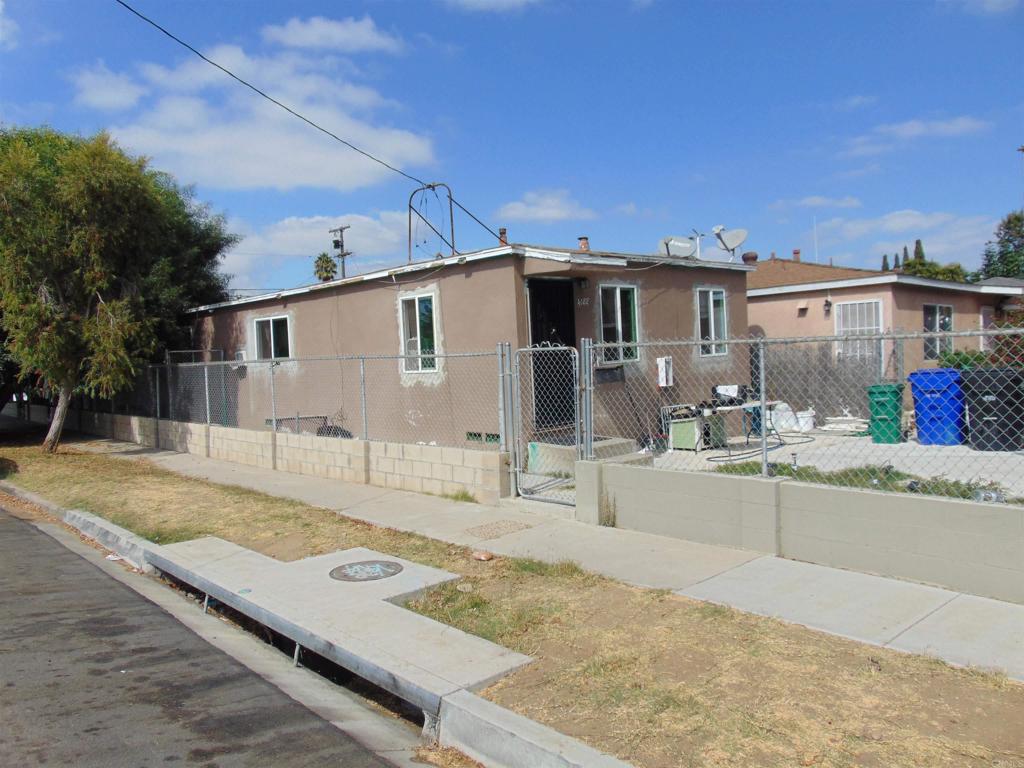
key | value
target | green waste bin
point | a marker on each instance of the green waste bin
(885, 402)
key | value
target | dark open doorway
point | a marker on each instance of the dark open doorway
(552, 314)
(553, 323)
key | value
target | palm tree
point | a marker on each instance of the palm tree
(325, 267)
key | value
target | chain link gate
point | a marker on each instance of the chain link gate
(546, 421)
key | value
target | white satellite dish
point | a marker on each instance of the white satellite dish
(677, 247)
(729, 239)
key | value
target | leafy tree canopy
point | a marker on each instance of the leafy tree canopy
(1004, 256)
(932, 269)
(99, 255)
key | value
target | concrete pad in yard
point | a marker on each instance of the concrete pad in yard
(972, 631)
(871, 609)
(635, 558)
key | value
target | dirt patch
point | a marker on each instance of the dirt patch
(656, 679)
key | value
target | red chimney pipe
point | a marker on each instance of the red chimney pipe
(796, 254)
(584, 243)
(502, 236)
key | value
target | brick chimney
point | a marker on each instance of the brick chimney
(796, 254)
(584, 243)
(750, 257)
(502, 236)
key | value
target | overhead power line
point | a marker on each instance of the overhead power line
(267, 96)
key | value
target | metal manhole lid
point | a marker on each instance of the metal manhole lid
(366, 570)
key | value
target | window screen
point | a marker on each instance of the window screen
(937, 317)
(418, 333)
(858, 318)
(619, 322)
(712, 321)
(272, 338)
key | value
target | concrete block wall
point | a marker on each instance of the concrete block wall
(968, 546)
(183, 437)
(962, 545)
(330, 457)
(133, 429)
(438, 470)
(242, 446)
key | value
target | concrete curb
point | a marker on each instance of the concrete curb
(132, 548)
(487, 732)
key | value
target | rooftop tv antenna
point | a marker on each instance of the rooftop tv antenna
(451, 215)
(339, 246)
(729, 239)
(696, 237)
(677, 247)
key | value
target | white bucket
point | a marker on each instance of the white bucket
(805, 420)
(783, 418)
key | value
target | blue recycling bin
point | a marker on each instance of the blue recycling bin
(938, 406)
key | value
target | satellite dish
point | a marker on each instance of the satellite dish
(729, 239)
(677, 247)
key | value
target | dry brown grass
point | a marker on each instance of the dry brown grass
(657, 679)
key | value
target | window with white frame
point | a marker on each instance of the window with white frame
(619, 322)
(988, 322)
(272, 338)
(859, 318)
(937, 318)
(418, 334)
(711, 320)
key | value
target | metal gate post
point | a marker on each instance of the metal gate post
(517, 419)
(586, 403)
(206, 390)
(273, 420)
(502, 436)
(764, 407)
(362, 397)
(157, 425)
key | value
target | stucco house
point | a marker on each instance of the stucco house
(523, 294)
(793, 298)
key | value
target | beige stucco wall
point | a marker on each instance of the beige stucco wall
(778, 316)
(909, 316)
(963, 545)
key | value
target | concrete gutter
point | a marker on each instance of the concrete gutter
(490, 734)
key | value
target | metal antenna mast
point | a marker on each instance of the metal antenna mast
(339, 246)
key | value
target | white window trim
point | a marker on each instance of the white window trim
(711, 317)
(256, 337)
(881, 313)
(952, 327)
(983, 340)
(618, 321)
(432, 295)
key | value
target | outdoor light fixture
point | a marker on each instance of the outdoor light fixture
(828, 306)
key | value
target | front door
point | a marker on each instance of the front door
(553, 324)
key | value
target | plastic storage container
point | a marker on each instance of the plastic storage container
(938, 406)
(885, 402)
(995, 408)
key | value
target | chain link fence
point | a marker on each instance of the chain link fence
(452, 401)
(935, 413)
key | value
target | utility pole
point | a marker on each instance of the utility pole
(339, 247)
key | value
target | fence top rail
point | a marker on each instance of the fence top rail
(883, 336)
(330, 358)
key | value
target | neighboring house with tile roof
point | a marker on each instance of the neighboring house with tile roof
(794, 298)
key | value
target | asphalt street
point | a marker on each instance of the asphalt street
(93, 674)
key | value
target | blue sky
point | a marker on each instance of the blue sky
(625, 121)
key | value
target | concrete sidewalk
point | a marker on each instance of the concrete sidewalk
(959, 628)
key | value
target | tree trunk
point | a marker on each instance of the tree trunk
(57, 425)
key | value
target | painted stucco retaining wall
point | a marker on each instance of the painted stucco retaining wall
(963, 545)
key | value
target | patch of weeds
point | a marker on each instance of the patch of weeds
(474, 613)
(606, 511)
(461, 495)
(563, 569)
(714, 611)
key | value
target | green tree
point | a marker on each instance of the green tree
(931, 269)
(906, 255)
(325, 267)
(885, 262)
(918, 250)
(98, 254)
(896, 262)
(1004, 256)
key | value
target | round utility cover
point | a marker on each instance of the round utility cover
(366, 570)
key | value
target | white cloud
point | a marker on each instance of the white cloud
(99, 88)
(912, 129)
(492, 5)
(983, 7)
(946, 236)
(545, 206)
(626, 209)
(348, 35)
(819, 201)
(375, 241)
(206, 128)
(8, 31)
(857, 101)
